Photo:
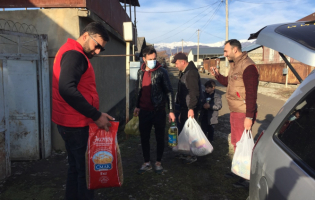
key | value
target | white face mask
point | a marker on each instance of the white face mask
(151, 63)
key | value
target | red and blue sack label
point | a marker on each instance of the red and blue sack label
(104, 167)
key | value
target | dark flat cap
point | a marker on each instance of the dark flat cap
(179, 56)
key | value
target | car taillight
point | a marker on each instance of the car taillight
(262, 132)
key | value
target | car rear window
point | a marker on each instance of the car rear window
(302, 33)
(298, 131)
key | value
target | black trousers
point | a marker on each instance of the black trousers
(207, 128)
(147, 119)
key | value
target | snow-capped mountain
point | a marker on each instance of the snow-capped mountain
(188, 45)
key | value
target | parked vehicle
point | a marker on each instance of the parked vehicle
(283, 159)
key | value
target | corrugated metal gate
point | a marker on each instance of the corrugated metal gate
(25, 132)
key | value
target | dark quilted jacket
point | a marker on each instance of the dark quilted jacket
(189, 88)
(161, 91)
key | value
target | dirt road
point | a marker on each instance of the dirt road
(268, 101)
(204, 179)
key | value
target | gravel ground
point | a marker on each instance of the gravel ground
(204, 179)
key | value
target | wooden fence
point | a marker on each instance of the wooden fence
(274, 72)
(211, 63)
(271, 72)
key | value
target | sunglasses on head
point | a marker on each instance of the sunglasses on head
(98, 46)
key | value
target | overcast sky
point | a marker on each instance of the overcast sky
(171, 20)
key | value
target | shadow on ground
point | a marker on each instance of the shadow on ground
(204, 179)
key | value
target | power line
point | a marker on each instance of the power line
(209, 21)
(191, 35)
(212, 35)
(179, 25)
(263, 3)
(175, 11)
(212, 16)
(182, 29)
(183, 23)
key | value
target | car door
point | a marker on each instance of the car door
(283, 164)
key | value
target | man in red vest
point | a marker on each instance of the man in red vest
(75, 102)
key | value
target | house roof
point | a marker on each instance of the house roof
(149, 44)
(249, 48)
(133, 2)
(208, 51)
(141, 43)
(310, 17)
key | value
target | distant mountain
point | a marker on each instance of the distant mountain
(172, 47)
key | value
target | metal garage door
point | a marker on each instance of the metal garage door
(25, 91)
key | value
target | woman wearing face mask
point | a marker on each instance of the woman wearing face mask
(154, 90)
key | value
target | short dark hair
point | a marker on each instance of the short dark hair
(148, 50)
(234, 43)
(210, 84)
(96, 28)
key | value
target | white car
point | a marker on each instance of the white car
(283, 160)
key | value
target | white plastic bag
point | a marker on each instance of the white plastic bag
(193, 140)
(243, 154)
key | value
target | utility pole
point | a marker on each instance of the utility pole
(135, 16)
(177, 49)
(130, 11)
(198, 48)
(182, 46)
(127, 79)
(226, 26)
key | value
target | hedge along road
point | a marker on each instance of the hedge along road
(203, 179)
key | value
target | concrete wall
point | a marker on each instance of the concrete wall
(61, 24)
(256, 55)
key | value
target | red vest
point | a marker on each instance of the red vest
(62, 113)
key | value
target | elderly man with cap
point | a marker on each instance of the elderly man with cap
(188, 94)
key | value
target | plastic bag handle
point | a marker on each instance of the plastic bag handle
(188, 122)
(247, 132)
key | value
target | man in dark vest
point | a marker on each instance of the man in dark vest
(241, 93)
(75, 102)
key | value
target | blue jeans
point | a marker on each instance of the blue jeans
(76, 140)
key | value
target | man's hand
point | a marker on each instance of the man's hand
(248, 123)
(214, 71)
(103, 122)
(191, 113)
(136, 112)
(206, 106)
(171, 117)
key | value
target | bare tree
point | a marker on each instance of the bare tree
(162, 57)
